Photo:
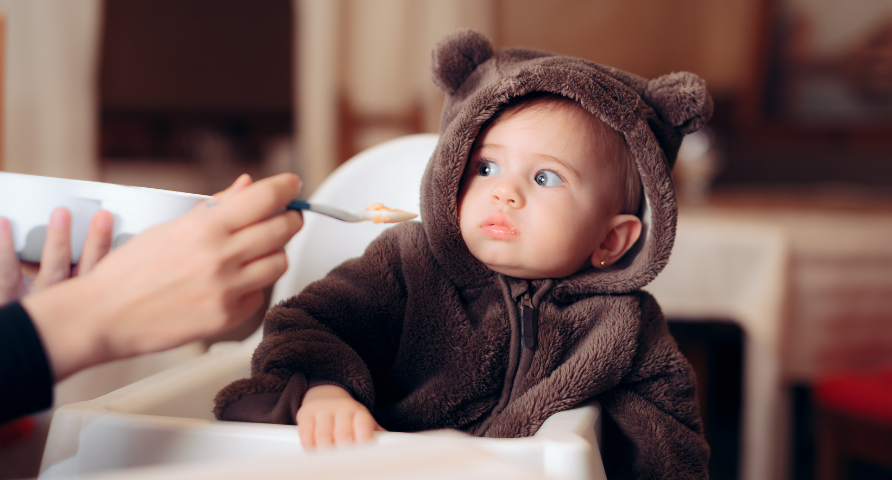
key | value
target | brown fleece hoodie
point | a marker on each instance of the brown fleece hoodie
(428, 337)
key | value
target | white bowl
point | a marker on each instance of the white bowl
(28, 200)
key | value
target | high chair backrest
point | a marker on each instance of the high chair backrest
(389, 173)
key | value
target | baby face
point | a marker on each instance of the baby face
(535, 198)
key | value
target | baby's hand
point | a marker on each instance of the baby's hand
(330, 416)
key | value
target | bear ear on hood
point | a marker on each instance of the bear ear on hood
(680, 99)
(456, 56)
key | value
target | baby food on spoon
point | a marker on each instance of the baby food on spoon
(381, 214)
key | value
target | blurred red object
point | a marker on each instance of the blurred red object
(854, 421)
(16, 430)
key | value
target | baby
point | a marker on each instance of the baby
(547, 205)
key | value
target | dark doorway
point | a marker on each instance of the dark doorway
(182, 79)
(715, 349)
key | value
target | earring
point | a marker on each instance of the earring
(603, 263)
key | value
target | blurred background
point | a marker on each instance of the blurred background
(187, 94)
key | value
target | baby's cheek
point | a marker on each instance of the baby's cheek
(465, 212)
(466, 233)
(573, 233)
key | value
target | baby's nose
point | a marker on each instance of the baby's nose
(507, 193)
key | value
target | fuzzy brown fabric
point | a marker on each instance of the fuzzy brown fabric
(427, 337)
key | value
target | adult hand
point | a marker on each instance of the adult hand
(19, 279)
(195, 276)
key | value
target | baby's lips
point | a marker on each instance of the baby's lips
(501, 220)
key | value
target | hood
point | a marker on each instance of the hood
(652, 115)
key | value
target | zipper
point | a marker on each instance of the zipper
(519, 359)
(528, 326)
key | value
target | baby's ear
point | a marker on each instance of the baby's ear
(680, 99)
(456, 56)
(623, 231)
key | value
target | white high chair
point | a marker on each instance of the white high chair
(166, 418)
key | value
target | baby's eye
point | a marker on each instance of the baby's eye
(488, 168)
(547, 178)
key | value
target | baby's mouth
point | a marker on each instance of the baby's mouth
(499, 226)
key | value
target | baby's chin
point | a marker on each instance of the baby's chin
(526, 272)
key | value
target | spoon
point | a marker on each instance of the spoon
(376, 212)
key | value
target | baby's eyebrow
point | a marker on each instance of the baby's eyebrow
(486, 145)
(564, 164)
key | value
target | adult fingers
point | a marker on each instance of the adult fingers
(245, 308)
(30, 269)
(257, 201)
(263, 237)
(98, 241)
(55, 260)
(262, 272)
(239, 184)
(10, 274)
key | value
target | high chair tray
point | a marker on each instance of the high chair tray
(430, 458)
(166, 419)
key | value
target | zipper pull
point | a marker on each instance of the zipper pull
(528, 324)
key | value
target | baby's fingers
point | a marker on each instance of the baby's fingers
(363, 427)
(344, 428)
(324, 431)
(306, 430)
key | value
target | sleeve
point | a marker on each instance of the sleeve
(341, 330)
(652, 426)
(25, 374)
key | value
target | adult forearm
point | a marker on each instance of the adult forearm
(72, 320)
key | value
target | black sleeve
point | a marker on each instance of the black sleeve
(25, 376)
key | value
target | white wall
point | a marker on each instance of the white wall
(50, 92)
